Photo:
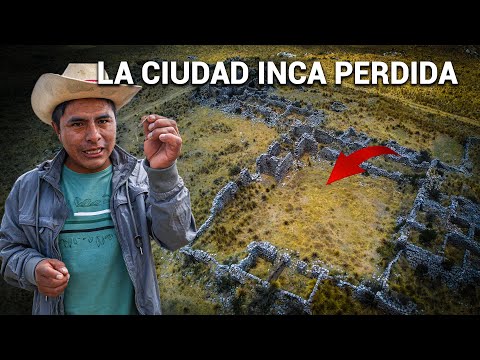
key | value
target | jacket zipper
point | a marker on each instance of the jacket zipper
(112, 209)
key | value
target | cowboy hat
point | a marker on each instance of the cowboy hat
(78, 81)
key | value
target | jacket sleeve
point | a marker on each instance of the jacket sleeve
(18, 257)
(168, 208)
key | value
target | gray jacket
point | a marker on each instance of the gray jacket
(157, 204)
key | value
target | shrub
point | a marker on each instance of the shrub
(427, 236)
(219, 180)
(234, 170)
(435, 194)
(413, 179)
(373, 285)
(401, 298)
(421, 270)
(424, 156)
(430, 217)
(472, 198)
(447, 264)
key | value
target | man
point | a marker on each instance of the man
(76, 229)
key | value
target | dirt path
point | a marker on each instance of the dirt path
(420, 107)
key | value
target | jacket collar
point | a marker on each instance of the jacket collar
(123, 165)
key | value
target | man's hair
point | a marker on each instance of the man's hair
(60, 110)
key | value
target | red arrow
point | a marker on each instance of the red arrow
(348, 165)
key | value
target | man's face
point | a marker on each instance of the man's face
(87, 132)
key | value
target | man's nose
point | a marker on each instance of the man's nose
(92, 134)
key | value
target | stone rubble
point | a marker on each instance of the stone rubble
(338, 106)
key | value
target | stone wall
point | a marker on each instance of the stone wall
(374, 170)
(274, 149)
(272, 165)
(328, 154)
(324, 136)
(245, 178)
(283, 166)
(461, 212)
(298, 129)
(391, 306)
(306, 144)
(223, 197)
(267, 164)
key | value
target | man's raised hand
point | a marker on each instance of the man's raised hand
(162, 141)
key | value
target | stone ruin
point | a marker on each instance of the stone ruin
(338, 106)
(254, 102)
(298, 129)
(245, 178)
(461, 212)
(274, 166)
(349, 139)
(240, 273)
(224, 196)
(308, 136)
(306, 144)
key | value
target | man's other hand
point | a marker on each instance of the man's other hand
(52, 277)
(162, 141)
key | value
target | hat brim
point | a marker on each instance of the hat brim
(53, 89)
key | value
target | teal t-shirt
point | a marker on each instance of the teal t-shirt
(99, 282)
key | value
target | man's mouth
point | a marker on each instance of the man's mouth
(92, 152)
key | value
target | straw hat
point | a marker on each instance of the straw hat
(78, 81)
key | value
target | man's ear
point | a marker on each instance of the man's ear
(57, 130)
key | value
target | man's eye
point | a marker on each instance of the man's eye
(103, 121)
(77, 124)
